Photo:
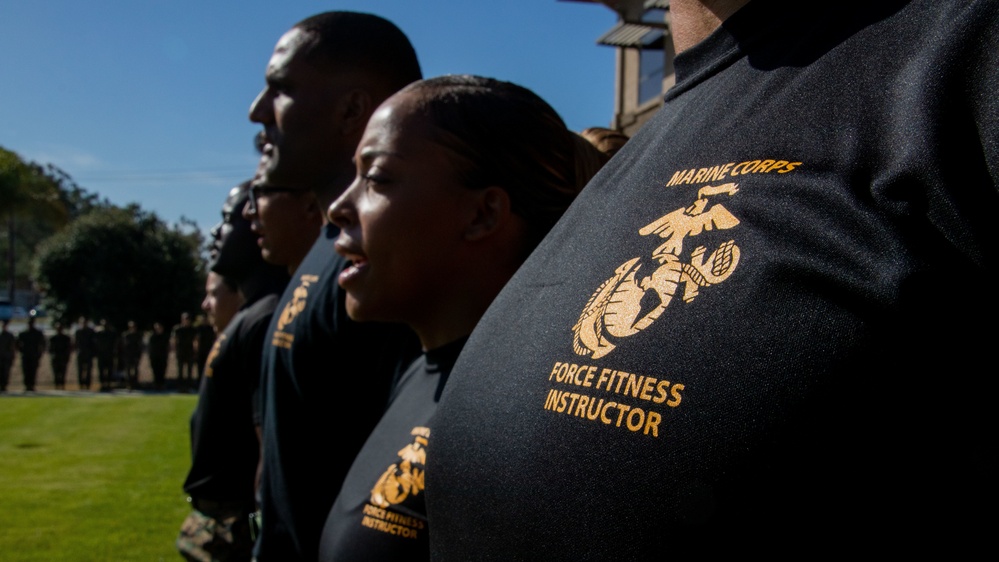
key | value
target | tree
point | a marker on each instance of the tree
(32, 207)
(120, 264)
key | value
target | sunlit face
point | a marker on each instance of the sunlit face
(234, 248)
(297, 111)
(402, 220)
(286, 223)
(221, 303)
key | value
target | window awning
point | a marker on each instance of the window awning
(627, 35)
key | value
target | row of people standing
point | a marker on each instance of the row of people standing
(727, 340)
(32, 344)
(116, 356)
(318, 347)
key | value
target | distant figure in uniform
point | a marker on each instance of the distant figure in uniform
(106, 347)
(31, 344)
(159, 352)
(132, 354)
(60, 346)
(8, 349)
(184, 335)
(86, 350)
(205, 339)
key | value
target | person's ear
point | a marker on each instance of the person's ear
(313, 209)
(354, 110)
(492, 212)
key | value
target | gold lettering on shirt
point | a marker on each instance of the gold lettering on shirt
(614, 398)
(724, 171)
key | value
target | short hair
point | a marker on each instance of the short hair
(507, 136)
(606, 140)
(239, 255)
(230, 284)
(361, 41)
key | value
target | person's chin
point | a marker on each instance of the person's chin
(358, 310)
(354, 308)
(270, 257)
(279, 176)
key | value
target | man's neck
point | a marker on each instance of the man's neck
(693, 20)
(263, 279)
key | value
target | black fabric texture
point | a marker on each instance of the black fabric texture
(763, 325)
(380, 512)
(326, 382)
(224, 447)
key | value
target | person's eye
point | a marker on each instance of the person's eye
(277, 87)
(374, 178)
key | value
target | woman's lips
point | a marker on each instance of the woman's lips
(358, 265)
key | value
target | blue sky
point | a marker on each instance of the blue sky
(147, 101)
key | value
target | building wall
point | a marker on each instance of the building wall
(630, 114)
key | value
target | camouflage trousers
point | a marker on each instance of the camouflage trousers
(223, 538)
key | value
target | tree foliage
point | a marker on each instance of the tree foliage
(26, 190)
(33, 205)
(120, 264)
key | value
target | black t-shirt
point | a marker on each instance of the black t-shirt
(59, 346)
(31, 342)
(224, 447)
(380, 513)
(326, 382)
(133, 345)
(159, 345)
(206, 339)
(184, 337)
(8, 344)
(759, 328)
(86, 344)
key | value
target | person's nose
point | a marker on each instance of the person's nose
(260, 109)
(341, 212)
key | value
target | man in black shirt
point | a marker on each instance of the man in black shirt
(341, 66)
(132, 347)
(8, 352)
(106, 344)
(184, 336)
(86, 350)
(159, 354)
(205, 340)
(60, 346)
(31, 344)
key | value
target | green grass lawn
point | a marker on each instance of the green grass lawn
(93, 478)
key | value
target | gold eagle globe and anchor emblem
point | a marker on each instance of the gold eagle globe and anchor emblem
(404, 478)
(615, 308)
